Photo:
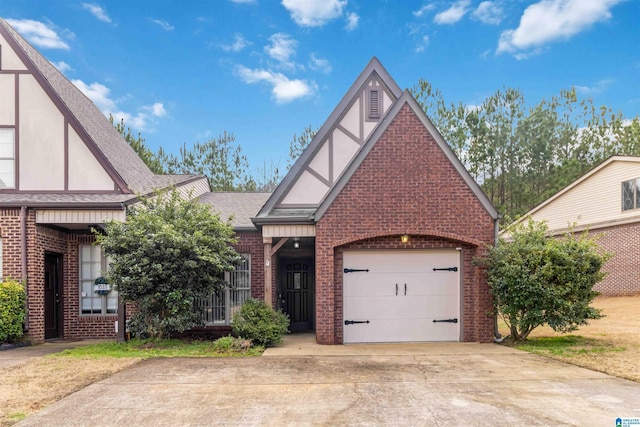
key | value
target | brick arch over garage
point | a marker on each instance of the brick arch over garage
(476, 302)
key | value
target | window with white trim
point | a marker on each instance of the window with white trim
(631, 194)
(95, 298)
(219, 308)
(7, 159)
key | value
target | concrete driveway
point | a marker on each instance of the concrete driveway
(409, 384)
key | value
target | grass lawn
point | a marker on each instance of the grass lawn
(610, 345)
(37, 383)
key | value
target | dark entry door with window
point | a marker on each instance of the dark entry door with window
(52, 295)
(296, 293)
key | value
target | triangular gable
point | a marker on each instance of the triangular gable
(81, 117)
(406, 98)
(338, 141)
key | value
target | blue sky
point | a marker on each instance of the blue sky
(180, 72)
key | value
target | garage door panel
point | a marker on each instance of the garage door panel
(430, 295)
(396, 330)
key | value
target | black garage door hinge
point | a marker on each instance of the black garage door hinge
(446, 269)
(353, 270)
(353, 322)
(445, 321)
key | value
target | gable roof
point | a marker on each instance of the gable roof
(408, 99)
(270, 210)
(240, 207)
(569, 188)
(374, 67)
(119, 160)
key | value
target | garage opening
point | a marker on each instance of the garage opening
(401, 296)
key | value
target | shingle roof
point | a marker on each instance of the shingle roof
(241, 207)
(109, 146)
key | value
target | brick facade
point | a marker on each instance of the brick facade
(40, 241)
(623, 242)
(405, 185)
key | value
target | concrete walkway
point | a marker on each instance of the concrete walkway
(19, 355)
(403, 385)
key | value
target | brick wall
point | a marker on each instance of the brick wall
(405, 185)
(251, 243)
(623, 269)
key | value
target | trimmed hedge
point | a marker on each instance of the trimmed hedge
(12, 312)
(261, 324)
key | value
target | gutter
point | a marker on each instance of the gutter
(23, 252)
(497, 337)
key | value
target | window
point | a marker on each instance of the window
(93, 299)
(631, 194)
(374, 103)
(219, 308)
(7, 158)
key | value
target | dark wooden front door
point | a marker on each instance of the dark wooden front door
(52, 295)
(296, 296)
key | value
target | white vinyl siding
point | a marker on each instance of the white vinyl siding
(7, 158)
(219, 308)
(93, 264)
(595, 200)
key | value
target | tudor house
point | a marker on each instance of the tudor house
(63, 170)
(369, 238)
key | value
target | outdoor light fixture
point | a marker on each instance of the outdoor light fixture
(296, 244)
(404, 238)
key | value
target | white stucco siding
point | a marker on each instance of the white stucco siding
(351, 120)
(41, 138)
(85, 172)
(10, 60)
(308, 190)
(386, 102)
(320, 163)
(344, 148)
(597, 199)
(8, 100)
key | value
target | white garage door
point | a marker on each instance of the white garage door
(401, 296)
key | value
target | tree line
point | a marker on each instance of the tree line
(520, 154)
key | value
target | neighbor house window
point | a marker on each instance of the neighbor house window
(95, 298)
(7, 158)
(218, 309)
(631, 194)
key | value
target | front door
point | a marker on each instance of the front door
(52, 295)
(296, 293)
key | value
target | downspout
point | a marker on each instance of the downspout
(23, 252)
(497, 337)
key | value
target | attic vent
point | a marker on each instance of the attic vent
(374, 104)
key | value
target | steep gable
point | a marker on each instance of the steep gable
(58, 130)
(336, 144)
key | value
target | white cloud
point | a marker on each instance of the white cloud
(239, 43)
(551, 20)
(38, 33)
(422, 44)
(424, 9)
(314, 13)
(320, 64)
(97, 11)
(162, 23)
(99, 94)
(453, 14)
(282, 48)
(62, 66)
(597, 88)
(283, 89)
(488, 12)
(352, 21)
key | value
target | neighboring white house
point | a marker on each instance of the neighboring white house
(604, 202)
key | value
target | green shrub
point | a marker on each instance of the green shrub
(229, 344)
(260, 323)
(12, 313)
